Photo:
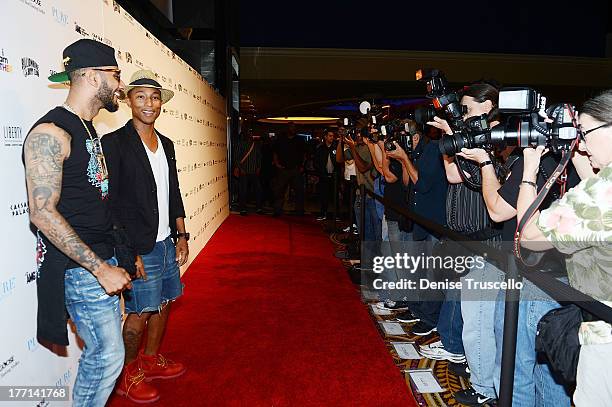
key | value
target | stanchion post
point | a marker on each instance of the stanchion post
(362, 214)
(350, 206)
(510, 329)
(335, 175)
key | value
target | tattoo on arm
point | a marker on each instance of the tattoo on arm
(44, 158)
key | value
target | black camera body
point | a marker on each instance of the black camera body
(442, 99)
(528, 124)
(400, 131)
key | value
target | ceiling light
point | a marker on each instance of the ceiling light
(300, 119)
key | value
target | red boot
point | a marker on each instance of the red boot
(158, 367)
(132, 385)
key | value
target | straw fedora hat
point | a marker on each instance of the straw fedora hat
(146, 79)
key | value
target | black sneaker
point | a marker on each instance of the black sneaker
(459, 369)
(422, 329)
(470, 397)
(243, 213)
(407, 317)
(259, 211)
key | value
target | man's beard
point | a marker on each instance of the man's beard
(106, 95)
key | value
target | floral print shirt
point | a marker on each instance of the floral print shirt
(580, 224)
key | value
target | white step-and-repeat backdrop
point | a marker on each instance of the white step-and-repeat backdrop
(33, 34)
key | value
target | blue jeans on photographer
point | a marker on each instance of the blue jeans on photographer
(534, 384)
(429, 302)
(373, 226)
(478, 311)
(389, 249)
(450, 322)
(97, 317)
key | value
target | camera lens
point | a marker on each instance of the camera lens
(453, 143)
(422, 115)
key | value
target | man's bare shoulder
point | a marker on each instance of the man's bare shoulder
(50, 129)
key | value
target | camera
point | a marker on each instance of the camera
(442, 99)
(400, 131)
(475, 135)
(529, 123)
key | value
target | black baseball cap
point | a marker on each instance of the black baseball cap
(84, 53)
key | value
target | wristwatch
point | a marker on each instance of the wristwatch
(184, 234)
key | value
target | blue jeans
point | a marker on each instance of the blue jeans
(97, 317)
(391, 248)
(428, 304)
(534, 384)
(450, 322)
(163, 283)
(478, 311)
(373, 226)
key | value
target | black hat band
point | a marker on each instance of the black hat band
(145, 81)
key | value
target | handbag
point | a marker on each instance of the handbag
(557, 337)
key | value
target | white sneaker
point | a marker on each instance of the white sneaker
(390, 305)
(436, 351)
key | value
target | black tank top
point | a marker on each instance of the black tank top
(84, 196)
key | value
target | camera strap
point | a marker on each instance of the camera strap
(560, 171)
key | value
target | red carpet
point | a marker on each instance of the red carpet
(270, 318)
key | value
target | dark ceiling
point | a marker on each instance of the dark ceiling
(524, 28)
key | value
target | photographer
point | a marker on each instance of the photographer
(532, 373)
(326, 169)
(366, 173)
(470, 331)
(426, 172)
(578, 224)
(394, 181)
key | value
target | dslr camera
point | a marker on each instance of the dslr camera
(529, 123)
(442, 99)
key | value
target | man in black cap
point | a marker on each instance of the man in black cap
(146, 200)
(67, 184)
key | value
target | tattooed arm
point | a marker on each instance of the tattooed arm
(45, 149)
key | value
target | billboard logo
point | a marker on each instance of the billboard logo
(4, 63)
(32, 344)
(7, 287)
(35, 4)
(29, 66)
(31, 276)
(19, 209)
(13, 136)
(59, 16)
(80, 30)
(8, 365)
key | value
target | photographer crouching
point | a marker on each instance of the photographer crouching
(579, 224)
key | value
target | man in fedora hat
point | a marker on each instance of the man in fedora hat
(146, 200)
(67, 183)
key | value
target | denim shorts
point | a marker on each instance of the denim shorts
(163, 283)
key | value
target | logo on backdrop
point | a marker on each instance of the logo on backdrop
(4, 63)
(64, 379)
(59, 16)
(8, 365)
(80, 30)
(32, 344)
(31, 276)
(29, 67)
(35, 4)
(12, 136)
(18, 209)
